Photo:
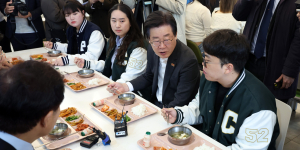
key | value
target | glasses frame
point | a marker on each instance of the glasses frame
(151, 42)
(205, 62)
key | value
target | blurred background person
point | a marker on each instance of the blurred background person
(98, 11)
(210, 4)
(197, 21)
(177, 8)
(4, 41)
(28, 30)
(85, 39)
(272, 32)
(28, 108)
(55, 23)
(223, 19)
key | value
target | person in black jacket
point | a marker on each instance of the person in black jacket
(29, 106)
(28, 31)
(275, 43)
(172, 67)
(98, 11)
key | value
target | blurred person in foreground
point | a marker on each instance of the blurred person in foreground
(30, 96)
(172, 67)
(232, 105)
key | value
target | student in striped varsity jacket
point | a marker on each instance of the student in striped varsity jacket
(85, 39)
(232, 105)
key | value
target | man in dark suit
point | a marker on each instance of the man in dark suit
(98, 11)
(274, 37)
(29, 29)
(171, 68)
(29, 106)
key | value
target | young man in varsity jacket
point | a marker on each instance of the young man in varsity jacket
(232, 105)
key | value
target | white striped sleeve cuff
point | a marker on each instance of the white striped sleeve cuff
(87, 64)
(180, 116)
(65, 60)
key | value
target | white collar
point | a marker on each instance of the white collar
(82, 25)
(238, 81)
(163, 60)
(17, 143)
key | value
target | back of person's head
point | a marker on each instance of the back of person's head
(226, 6)
(229, 47)
(72, 6)
(133, 34)
(28, 92)
(157, 19)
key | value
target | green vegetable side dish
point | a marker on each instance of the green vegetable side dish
(71, 83)
(127, 118)
(38, 58)
(72, 118)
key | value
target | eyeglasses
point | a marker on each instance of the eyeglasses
(205, 62)
(157, 43)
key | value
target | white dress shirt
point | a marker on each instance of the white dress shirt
(161, 75)
(256, 32)
(15, 142)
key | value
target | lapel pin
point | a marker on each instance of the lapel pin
(172, 64)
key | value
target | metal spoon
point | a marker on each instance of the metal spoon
(162, 134)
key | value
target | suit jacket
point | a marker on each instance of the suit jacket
(182, 76)
(34, 7)
(5, 146)
(283, 41)
(99, 15)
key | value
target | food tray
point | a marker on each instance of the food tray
(113, 103)
(74, 78)
(159, 141)
(72, 138)
(10, 58)
(45, 55)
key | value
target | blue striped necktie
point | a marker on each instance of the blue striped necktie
(263, 31)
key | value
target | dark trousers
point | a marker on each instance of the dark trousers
(5, 43)
(26, 38)
(256, 66)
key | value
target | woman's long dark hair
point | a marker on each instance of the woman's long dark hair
(134, 33)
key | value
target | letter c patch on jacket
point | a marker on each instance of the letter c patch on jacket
(230, 118)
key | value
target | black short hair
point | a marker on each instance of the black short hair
(72, 6)
(28, 91)
(229, 47)
(157, 19)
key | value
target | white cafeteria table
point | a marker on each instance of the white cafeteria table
(81, 101)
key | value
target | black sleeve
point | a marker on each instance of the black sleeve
(242, 9)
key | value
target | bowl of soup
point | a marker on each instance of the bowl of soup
(179, 135)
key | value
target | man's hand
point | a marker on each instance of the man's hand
(286, 81)
(48, 44)
(298, 15)
(79, 62)
(171, 112)
(9, 9)
(117, 88)
(93, 1)
(58, 62)
(21, 16)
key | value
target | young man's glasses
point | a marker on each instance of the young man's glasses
(157, 43)
(205, 62)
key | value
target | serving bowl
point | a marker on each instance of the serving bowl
(54, 53)
(179, 129)
(58, 126)
(126, 99)
(86, 73)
